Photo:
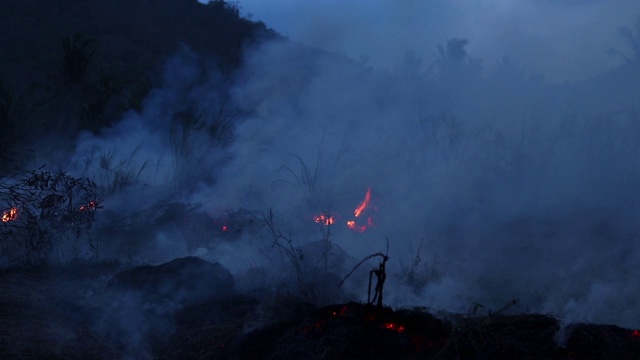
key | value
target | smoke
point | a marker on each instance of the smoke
(516, 188)
(562, 40)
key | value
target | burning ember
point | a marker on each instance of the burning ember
(90, 206)
(395, 327)
(10, 215)
(325, 219)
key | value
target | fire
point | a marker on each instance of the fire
(325, 219)
(10, 215)
(363, 205)
(90, 206)
(351, 224)
(331, 218)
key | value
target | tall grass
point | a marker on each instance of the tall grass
(119, 174)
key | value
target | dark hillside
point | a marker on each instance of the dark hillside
(129, 36)
(71, 65)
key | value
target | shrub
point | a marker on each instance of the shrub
(78, 55)
(40, 210)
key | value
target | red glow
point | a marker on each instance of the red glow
(421, 342)
(225, 228)
(636, 333)
(395, 327)
(10, 215)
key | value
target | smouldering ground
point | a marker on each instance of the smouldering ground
(84, 311)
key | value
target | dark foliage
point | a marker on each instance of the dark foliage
(77, 57)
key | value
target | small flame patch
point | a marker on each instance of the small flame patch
(360, 210)
(90, 206)
(363, 205)
(10, 215)
(325, 219)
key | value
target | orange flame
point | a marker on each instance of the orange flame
(363, 205)
(10, 215)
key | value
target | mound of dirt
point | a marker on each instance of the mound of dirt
(183, 280)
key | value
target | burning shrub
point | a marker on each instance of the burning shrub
(40, 210)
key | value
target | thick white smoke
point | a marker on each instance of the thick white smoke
(563, 40)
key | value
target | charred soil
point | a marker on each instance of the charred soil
(89, 311)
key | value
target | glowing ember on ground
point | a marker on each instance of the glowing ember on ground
(351, 224)
(325, 219)
(90, 206)
(636, 333)
(395, 327)
(10, 215)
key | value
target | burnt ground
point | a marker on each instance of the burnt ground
(187, 309)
